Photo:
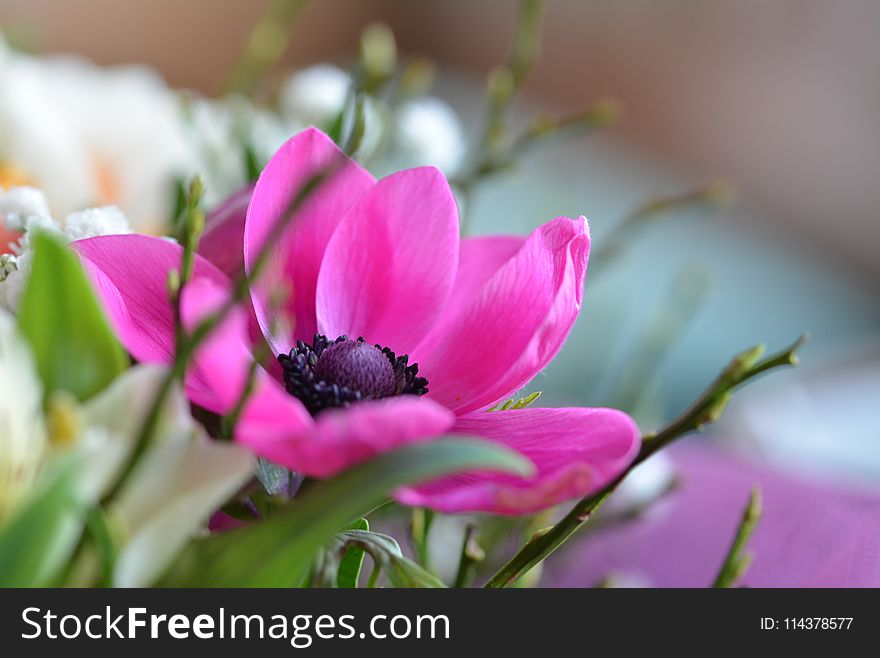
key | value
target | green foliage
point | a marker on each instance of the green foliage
(37, 543)
(349, 571)
(331, 568)
(72, 342)
(281, 549)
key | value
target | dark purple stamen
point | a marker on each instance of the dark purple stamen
(336, 373)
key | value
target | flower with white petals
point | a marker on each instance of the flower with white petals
(22, 431)
(178, 483)
(427, 131)
(19, 204)
(25, 210)
(90, 135)
(314, 95)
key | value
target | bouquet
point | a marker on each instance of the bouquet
(249, 343)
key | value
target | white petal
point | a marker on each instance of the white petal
(170, 496)
(113, 420)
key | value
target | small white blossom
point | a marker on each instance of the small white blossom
(315, 95)
(19, 204)
(92, 222)
(18, 269)
(15, 268)
(427, 131)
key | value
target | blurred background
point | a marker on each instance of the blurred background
(782, 98)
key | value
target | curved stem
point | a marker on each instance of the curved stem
(707, 409)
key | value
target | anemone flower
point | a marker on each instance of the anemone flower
(401, 331)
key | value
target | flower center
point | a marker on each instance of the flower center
(336, 373)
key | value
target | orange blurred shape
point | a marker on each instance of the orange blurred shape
(10, 177)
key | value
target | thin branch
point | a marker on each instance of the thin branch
(738, 560)
(707, 409)
(717, 193)
(264, 47)
(187, 347)
(471, 555)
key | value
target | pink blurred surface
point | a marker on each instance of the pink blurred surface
(811, 535)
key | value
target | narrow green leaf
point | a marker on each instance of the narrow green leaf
(350, 566)
(73, 344)
(386, 554)
(278, 552)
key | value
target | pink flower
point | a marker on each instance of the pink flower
(382, 260)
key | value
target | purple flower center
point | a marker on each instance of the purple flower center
(336, 373)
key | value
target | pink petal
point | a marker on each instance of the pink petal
(221, 368)
(296, 257)
(220, 365)
(130, 274)
(223, 522)
(223, 241)
(495, 337)
(575, 451)
(481, 257)
(390, 266)
(344, 437)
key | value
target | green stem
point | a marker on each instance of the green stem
(705, 410)
(497, 159)
(471, 554)
(420, 526)
(102, 537)
(231, 419)
(505, 83)
(374, 574)
(264, 47)
(718, 193)
(737, 560)
(187, 346)
(192, 229)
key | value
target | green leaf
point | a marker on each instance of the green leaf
(406, 573)
(350, 567)
(386, 554)
(73, 345)
(39, 540)
(279, 551)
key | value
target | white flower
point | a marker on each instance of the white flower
(13, 277)
(22, 431)
(92, 222)
(29, 213)
(181, 479)
(175, 486)
(317, 94)
(213, 133)
(314, 95)
(266, 132)
(427, 131)
(221, 130)
(19, 204)
(86, 135)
